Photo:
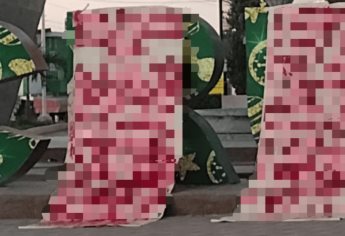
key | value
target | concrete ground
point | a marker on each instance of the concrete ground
(185, 226)
(193, 200)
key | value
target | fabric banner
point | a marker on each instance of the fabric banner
(127, 118)
(256, 35)
(300, 169)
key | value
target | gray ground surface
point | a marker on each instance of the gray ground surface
(185, 226)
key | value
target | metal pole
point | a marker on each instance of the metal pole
(27, 103)
(44, 117)
(227, 85)
(43, 49)
(221, 18)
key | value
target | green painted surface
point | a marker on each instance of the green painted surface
(256, 35)
(14, 59)
(59, 57)
(203, 54)
(201, 155)
(14, 152)
(195, 141)
(69, 33)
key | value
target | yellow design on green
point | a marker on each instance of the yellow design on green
(9, 40)
(202, 58)
(206, 66)
(21, 66)
(185, 164)
(194, 59)
(257, 118)
(256, 128)
(1, 159)
(210, 173)
(254, 110)
(253, 98)
(252, 13)
(256, 45)
(193, 28)
(254, 64)
(219, 88)
(205, 71)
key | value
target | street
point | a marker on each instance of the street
(186, 226)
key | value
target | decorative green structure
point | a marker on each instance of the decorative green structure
(203, 58)
(256, 35)
(204, 159)
(18, 153)
(203, 81)
(69, 33)
(59, 58)
(60, 61)
(14, 59)
(19, 57)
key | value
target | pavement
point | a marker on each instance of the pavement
(16, 201)
(30, 194)
(185, 226)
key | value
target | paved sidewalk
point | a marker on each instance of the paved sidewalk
(185, 226)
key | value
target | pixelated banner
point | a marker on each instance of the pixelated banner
(127, 118)
(200, 163)
(300, 170)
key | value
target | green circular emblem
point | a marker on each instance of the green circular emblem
(257, 63)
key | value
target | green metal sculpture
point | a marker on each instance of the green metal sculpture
(19, 57)
(14, 59)
(18, 153)
(205, 160)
